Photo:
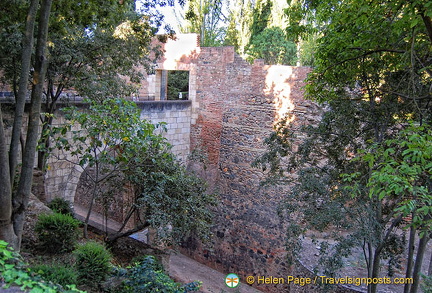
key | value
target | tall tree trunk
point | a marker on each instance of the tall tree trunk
(418, 262)
(22, 195)
(93, 196)
(26, 54)
(375, 269)
(410, 259)
(6, 228)
(430, 264)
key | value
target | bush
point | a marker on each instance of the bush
(61, 206)
(13, 271)
(57, 232)
(427, 284)
(148, 276)
(58, 274)
(92, 263)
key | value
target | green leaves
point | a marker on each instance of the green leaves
(127, 151)
(15, 272)
(272, 45)
(401, 170)
(369, 46)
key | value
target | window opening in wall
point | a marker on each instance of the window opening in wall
(177, 85)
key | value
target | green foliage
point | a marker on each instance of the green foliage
(308, 50)
(261, 17)
(84, 43)
(172, 200)
(61, 206)
(13, 271)
(427, 285)
(93, 263)
(352, 52)
(318, 200)
(125, 149)
(372, 73)
(57, 274)
(178, 82)
(204, 18)
(272, 45)
(402, 171)
(239, 25)
(57, 232)
(148, 276)
(104, 132)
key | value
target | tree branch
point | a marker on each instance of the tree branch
(428, 24)
(112, 238)
(363, 55)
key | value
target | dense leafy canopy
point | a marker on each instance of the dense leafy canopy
(273, 46)
(362, 169)
(125, 151)
(63, 46)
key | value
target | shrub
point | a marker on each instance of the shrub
(92, 262)
(57, 232)
(61, 206)
(13, 271)
(148, 276)
(58, 274)
(427, 284)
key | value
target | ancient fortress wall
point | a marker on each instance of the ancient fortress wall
(239, 104)
(232, 108)
(62, 175)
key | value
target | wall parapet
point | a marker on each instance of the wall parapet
(163, 105)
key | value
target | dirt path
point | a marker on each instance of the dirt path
(185, 269)
(181, 268)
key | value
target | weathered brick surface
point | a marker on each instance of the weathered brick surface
(238, 106)
(232, 109)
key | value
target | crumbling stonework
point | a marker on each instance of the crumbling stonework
(239, 104)
(234, 108)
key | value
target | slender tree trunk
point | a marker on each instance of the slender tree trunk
(20, 200)
(26, 54)
(112, 238)
(410, 259)
(370, 253)
(418, 262)
(50, 108)
(375, 269)
(6, 228)
(93, 198)
(430, 264)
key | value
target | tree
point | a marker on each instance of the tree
(83, 43)
(178, 82)
(122, 150)
(14, 205)
(205, 18)
(372, 73)
(402, 171)
(272, 45)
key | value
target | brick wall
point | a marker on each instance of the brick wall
(232, 108)
(238, 106)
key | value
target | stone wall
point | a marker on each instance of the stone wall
(232, 108)
(238, 106)
(62, 176)
(177, 116)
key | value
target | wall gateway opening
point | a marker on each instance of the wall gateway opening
(178, 85)
(172, 85)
